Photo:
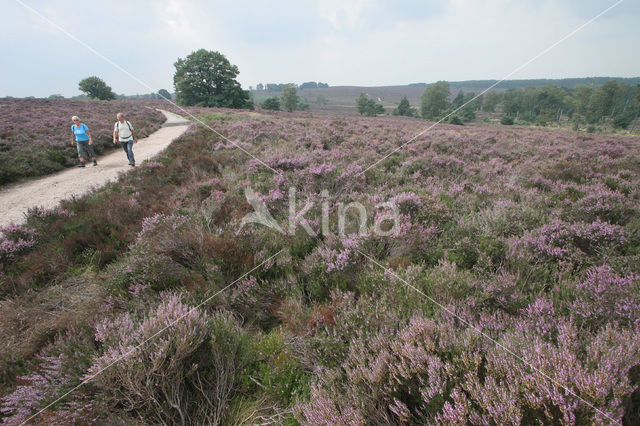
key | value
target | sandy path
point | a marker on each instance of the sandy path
(48, 191)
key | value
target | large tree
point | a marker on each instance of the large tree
(164, 93)
(96, 88)
(434, 100)
(289, 97)
(207, 78)
(367, 106)
(490, 101)
(272, 103)
(404, 108)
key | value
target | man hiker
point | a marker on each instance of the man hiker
(123, 131)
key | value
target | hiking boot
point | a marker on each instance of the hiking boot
(95, 163)
(81, 164)
(132, 164)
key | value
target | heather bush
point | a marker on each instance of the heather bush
(604, 297)
(600, 203)
(14, 239)
(560, 241)
(156, 271)
(178, 237)
(470, 248)
(177, 365)
(506, 218)
(433, 370)
(332, 264)
(256, 299)
(59, 367)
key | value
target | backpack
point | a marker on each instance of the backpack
(128, 125)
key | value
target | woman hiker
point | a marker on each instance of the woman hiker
(83, 141)
(123, 130)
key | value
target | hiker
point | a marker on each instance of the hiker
(123, 130)
(83, 141)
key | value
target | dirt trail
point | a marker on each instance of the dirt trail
(48, 191)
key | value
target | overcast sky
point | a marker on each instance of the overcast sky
(340, 42)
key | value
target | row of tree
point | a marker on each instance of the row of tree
(203, 78)
(95, 88)
(617, 102)
(289, 100)
(278, 87)
(207, 78)
(614, 102)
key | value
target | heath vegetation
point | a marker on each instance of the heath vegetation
(509, 295)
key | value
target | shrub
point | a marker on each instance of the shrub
(178, 365)
(506, 120)
(59, 367)
(433, 370)
(622, 121)
(156, 271)
(602, 297)
(15, 239)
(560, 241)
(602, 203)
(454, 119)
(272, 103)
(277, 371)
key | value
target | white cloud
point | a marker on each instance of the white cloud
(362, 42)
(343, 14)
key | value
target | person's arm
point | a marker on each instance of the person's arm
(73, 138)
(90, 140)
(115, 132)
(135, 138)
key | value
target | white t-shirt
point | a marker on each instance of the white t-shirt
(124, 130)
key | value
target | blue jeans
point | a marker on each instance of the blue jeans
(128, 148)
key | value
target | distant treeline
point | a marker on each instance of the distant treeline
(615, 102)
(569, 83)
(277, 87)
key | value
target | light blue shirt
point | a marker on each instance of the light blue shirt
(80, 132)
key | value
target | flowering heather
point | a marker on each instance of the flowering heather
(151, 378)
(511, 294)
(26, 399)
(604, 296)
(14, 239)
(56, 370)
(35, 133)
(571, 241)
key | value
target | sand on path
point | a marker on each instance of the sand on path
(48, 191)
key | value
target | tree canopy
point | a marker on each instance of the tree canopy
(164, 93)
(96, 88)
(490, 101)
(207, 78)
(313, 85)
(272, 103)
(368, 107)
(434, 100)
(404, 108)
(289, 97)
